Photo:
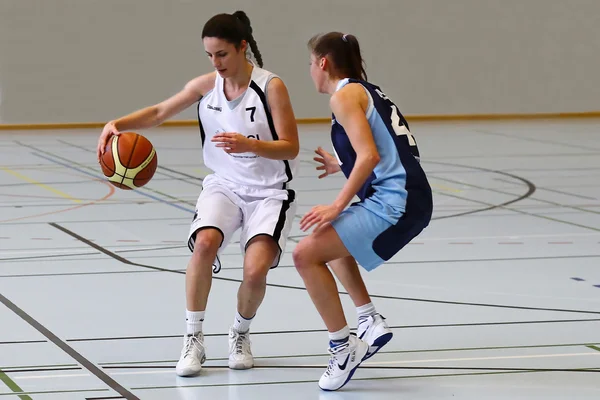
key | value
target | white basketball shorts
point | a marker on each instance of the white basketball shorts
(257, 211)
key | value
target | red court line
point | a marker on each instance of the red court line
(110, 193)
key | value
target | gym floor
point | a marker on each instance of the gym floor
(498, 298)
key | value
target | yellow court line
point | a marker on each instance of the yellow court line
(446, 188)
(51, 189)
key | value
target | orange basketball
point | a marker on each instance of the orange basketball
(129, 160)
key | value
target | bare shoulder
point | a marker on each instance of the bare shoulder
(202, 84)
(276, 86)
(350, 97)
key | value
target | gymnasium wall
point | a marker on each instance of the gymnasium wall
(93, 60)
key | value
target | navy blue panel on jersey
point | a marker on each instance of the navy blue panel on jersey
(397, 191)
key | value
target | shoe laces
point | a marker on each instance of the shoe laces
(193, 342)
(334, 352)
(240, 340)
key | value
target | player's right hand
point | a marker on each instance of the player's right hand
(328, 162)
(109, 130)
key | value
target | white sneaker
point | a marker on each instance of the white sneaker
(344, 360)
(240, 355)
(193, 355)
(375, 331)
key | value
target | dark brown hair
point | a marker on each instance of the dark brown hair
(343, 51)
(233, 28)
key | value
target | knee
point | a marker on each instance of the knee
(302, 255)
(256, 276)
(206, 245)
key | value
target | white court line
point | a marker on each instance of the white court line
(170, 371)
(428, 239)
(484, 358)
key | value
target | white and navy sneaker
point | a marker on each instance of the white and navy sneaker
(240, 354)
(344, 360)
(193, 355)
(375, 331)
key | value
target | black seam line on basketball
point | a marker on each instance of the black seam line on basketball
(84, 362)
(128, 161)
(82, 166)
(124, 260)
(304, 331)
(508, 193)
(527, 139)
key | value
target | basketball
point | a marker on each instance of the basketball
(129, 161)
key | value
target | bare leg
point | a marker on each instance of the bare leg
(198, 277)
(311, 256)
(260, 253)
(348, 274)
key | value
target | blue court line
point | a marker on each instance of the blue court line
(102, 178)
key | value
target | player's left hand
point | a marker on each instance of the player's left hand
(233, 142)
(319, 215)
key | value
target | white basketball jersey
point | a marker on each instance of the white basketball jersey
(249, 115)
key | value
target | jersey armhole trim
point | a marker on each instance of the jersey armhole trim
(371, 105)
(267, 90)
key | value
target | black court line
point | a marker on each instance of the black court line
(549, 202)
(23, 342)
(534, 140)
(568, 193)
(378, 367)
(69, 350)
(78, 274)
(304, 331)
(125, 261)
(197, 178)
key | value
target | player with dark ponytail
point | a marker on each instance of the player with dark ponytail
(378, 154)
(250, 142)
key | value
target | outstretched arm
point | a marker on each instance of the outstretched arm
(155, 115)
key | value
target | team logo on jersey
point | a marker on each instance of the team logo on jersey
(219, 109)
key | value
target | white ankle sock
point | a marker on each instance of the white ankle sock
(241, 324)
(339, 337)
(366, 310)
(194, 321)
